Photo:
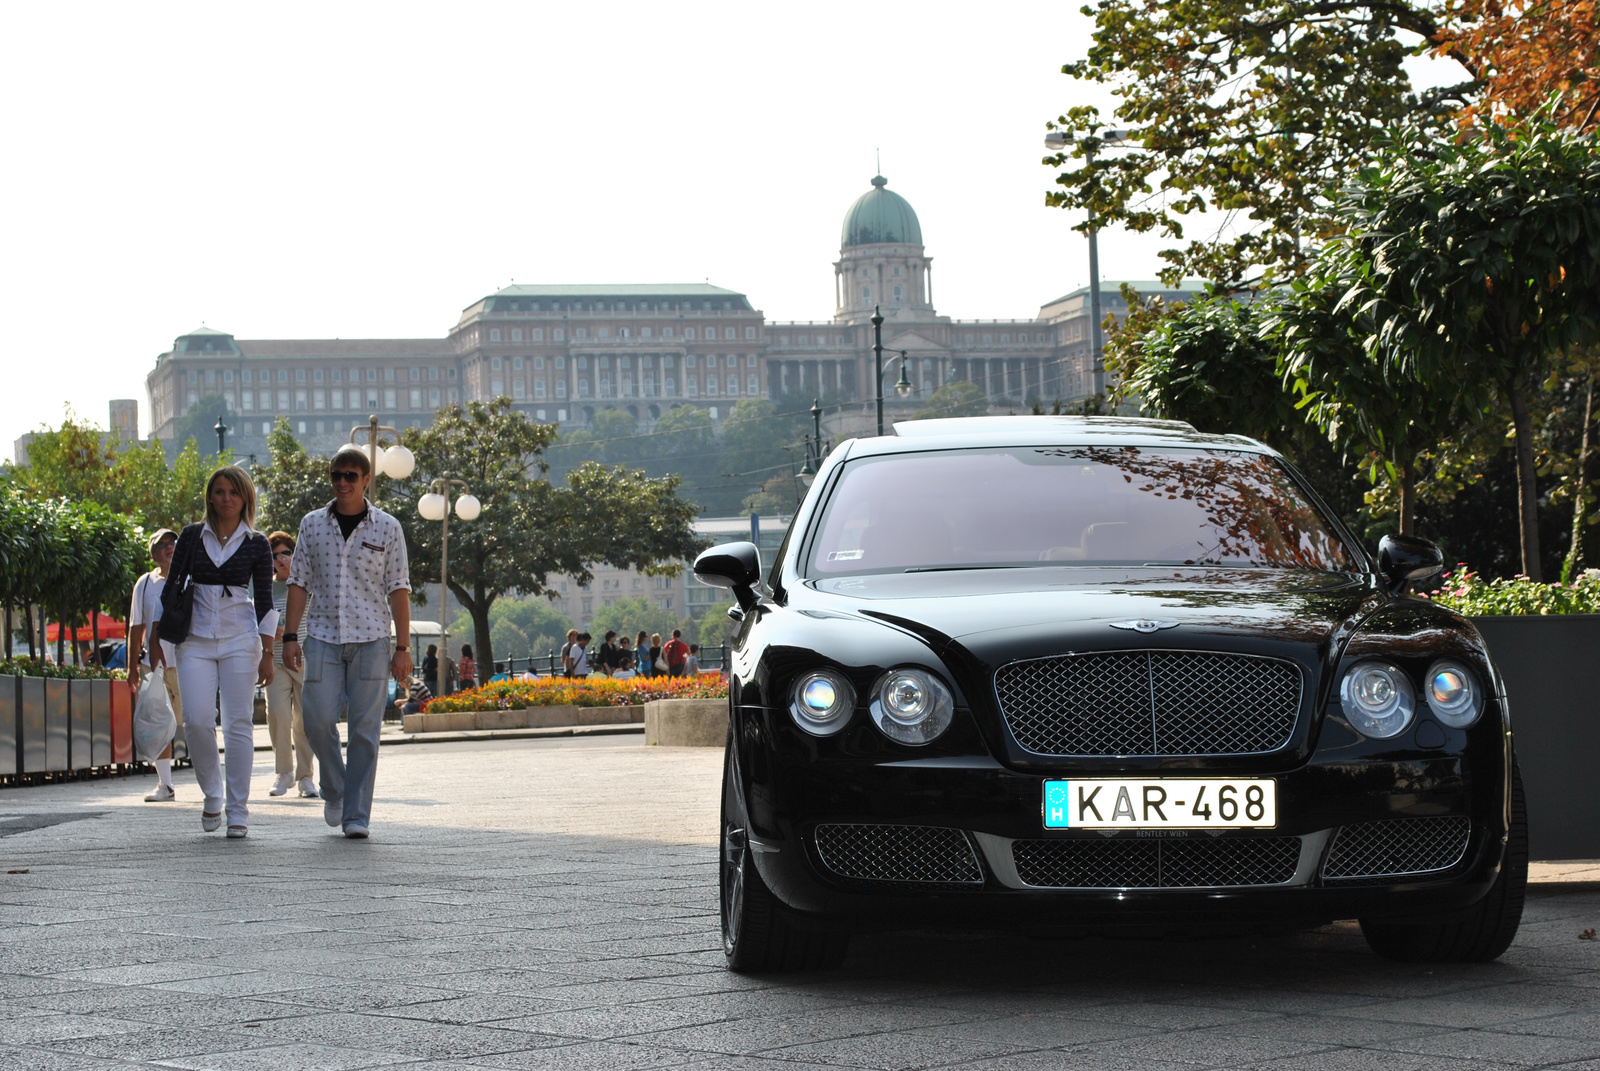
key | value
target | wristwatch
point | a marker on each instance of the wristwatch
(403, 647)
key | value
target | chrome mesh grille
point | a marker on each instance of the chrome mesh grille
(1150, 703)
(898, 853)
(1396, 847)
(1156, 864)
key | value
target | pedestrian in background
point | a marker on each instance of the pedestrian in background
(291, 751)
(676, 652)
(468, 668)
(656, 668)
(624, 670)
(691, 668)
(351, 586)
(566, 652)
(641, 653)
(227, 650)
(580, 656)
(608, 654)
(430, 669)
(146, 608)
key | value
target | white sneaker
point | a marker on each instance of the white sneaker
(162, 794)
(281, 785)
(355, 831)
(308, 789)
(333, 813)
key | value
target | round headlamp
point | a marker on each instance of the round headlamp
(1378, 699)
(1453, 694)
(912, 706)
(821, 702)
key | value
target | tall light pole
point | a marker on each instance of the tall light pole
(222, 434)
(814, 452)
(396, 462)
(903, 386)
(1057, 141)
(435, 506)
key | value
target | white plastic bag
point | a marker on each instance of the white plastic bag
(154, 724)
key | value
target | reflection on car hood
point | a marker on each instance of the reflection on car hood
(1050, 606)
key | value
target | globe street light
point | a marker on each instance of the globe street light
(902, 386)
(435, 506)
(396, 462)
(1057, 141)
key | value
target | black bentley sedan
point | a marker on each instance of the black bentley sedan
(1091, 675)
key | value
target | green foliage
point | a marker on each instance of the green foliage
(292, 484)
(1468, 593)
(38, 667)
(517, 627)
(629, 616)
(957, 399)
(80, 463)
(1254, 110)
(529, 527)
(199, 422)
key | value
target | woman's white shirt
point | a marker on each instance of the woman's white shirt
(220, 615)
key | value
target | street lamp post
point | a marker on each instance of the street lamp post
(814, 448)
(903, 386)
(435, 506)
(396, 462)
(222, 434)
(1057, 141)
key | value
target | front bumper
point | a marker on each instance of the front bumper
(994, 809)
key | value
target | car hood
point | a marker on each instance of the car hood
(1001, 615)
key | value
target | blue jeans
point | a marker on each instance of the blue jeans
(340, 675)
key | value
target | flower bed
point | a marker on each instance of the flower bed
(1468, 593)
(590, 692)
(23, 666)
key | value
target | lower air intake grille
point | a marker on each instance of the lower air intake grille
(898, 853)
(1396, 847)
(1156, 864)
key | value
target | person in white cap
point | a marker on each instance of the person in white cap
(146, 608)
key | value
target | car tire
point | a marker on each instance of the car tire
(1492, 924)
(758, 935)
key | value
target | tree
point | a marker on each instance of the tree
(1477, 262)
(529, 528)
(628, 616)
(1252, 109)
(520, 627)
(960, 398)
(1528, 51)
(199, 423)
(73, 461)
(292, 484)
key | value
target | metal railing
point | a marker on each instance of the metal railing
(712, 659)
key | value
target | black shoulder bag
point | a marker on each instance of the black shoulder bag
(177, 607)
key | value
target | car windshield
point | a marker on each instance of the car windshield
(1117, 506)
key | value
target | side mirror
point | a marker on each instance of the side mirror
(1403, 560)
(736, 566)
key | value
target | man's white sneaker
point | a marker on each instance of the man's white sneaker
(333, 813)
(355, 831)
(308, 789)
(281, 785)
(162, 794)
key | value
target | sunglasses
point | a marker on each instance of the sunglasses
(347, 475)
(283, 554)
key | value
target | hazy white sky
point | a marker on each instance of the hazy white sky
(367, 170)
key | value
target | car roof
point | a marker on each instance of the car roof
(962, 433)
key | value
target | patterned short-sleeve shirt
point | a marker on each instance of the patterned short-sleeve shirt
(349, 580)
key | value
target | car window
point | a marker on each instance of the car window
(1070, 506)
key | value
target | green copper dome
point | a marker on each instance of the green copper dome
(880, 216)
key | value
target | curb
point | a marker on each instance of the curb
(466, 735)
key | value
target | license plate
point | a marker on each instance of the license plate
(1161, 803)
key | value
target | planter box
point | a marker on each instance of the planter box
(528, 718)
(10, 724)
(121, 722)
(686, 722)
(100, 723)
(80, 700)
(30, 724)
(57, 724)
(1551, 666)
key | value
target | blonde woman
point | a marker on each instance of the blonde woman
(227, 646)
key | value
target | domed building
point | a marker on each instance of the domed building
(563, 352)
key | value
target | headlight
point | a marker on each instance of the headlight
(1378, 699)
(911, 706)
(821, 702)
(1453, 694)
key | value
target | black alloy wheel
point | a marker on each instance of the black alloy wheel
(1488, 930)
(757, 934)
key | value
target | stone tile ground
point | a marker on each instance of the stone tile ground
(551, 904)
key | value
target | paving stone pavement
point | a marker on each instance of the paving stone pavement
(552, 904)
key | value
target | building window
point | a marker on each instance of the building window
(749, 360)
(988, 339)
(688, 333)
(495, 364)
(516, 332)
(559, 334)
(497, 388)
(561, 390)
(691, 386)
(433, 398)
(582, 332)
(455, 396)
(516, 364)
(388, 375)
(433, 375)
(338, 399)
(244, 377)
(538, 389)
(302, 427)
(711, 384)
(605, 332)
(561, 362)
(666, 332)
(372, 398)
(538, 364)
(622, 332)
(416, 397)
(583, 386)
(728, 333)
(671, 386)
(733, 384)
(897, 294)
(389, 400)
(300, 400)
(644, 332)
(319, 399)
(337, 375)
(518, 390)
(247, 401)
(283, 401)
(752, 385)
(299, 375)
(866, 293)
(538, 334)
(494, 334)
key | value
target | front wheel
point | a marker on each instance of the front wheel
(757, 934)
(1492, 924)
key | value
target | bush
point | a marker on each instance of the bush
(38, 667)
(1468, 593)
(591, 692)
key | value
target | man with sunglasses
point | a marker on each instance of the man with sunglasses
(349, 582)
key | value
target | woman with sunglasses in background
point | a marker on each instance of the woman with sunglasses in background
(227, 650)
